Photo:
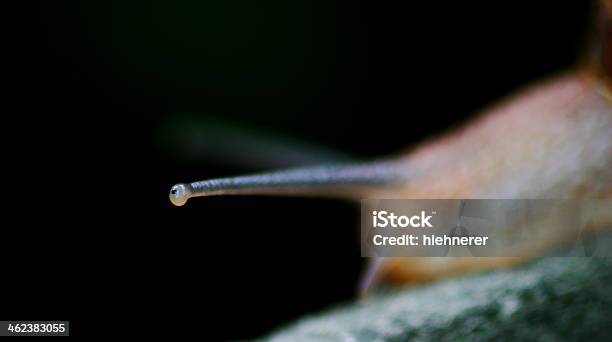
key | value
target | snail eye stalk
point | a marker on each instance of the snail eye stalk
(339, 180)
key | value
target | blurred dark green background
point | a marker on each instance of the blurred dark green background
(314, 68)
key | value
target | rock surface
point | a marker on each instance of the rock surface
(550, 299)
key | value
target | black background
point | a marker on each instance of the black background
(89, 234)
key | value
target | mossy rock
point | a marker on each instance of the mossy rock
(550, 299)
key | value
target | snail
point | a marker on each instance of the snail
(552, 139)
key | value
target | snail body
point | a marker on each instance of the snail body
(552, 140)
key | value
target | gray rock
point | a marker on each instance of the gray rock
(550, 299)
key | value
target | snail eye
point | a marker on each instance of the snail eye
(179, 194)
